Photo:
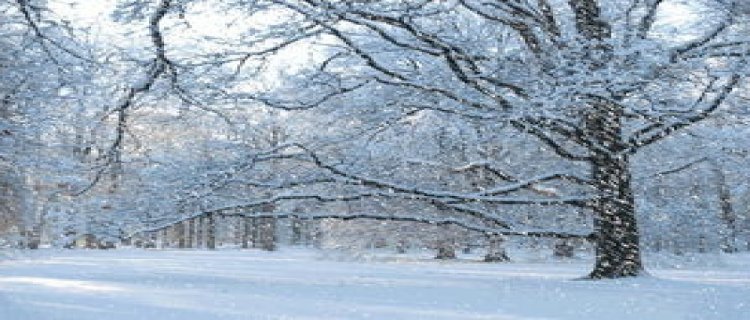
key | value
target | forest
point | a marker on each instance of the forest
(599, 133)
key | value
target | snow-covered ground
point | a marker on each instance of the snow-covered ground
(299, 284)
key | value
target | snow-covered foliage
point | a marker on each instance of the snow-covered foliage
(438, 120)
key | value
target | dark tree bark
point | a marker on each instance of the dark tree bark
(211, 232)
(401, 246)
(296, 231)
(255, 232)
(446, 251)
(446, 245)
(267, 232)
(496, 250)
(727, 214)
(200, 226)
(190, 233)
(164, 239)
(180, 235)
(563, 249)
(617, 239)
(246, 232)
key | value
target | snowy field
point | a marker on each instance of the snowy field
(300, 284)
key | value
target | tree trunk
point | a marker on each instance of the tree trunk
(246, 230)
(211, 232)
(199, 232)
(190, 233)
(496, 250)
(446, 244)
(563, 249)
(267, 234)
(617, 244)
(255, 234)
(164, 240)
(296, 231)
(180, 234)
(617, 239)
(446, 251)
(727, 214)
(401, 246)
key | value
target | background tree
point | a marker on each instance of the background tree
(44, 71)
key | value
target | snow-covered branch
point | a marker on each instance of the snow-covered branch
(363, 216)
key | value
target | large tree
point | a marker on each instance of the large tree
(593, 81)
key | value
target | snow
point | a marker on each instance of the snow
(305, 284)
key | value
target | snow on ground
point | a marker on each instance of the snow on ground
(298, 284)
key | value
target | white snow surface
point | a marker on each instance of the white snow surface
(302, 284)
